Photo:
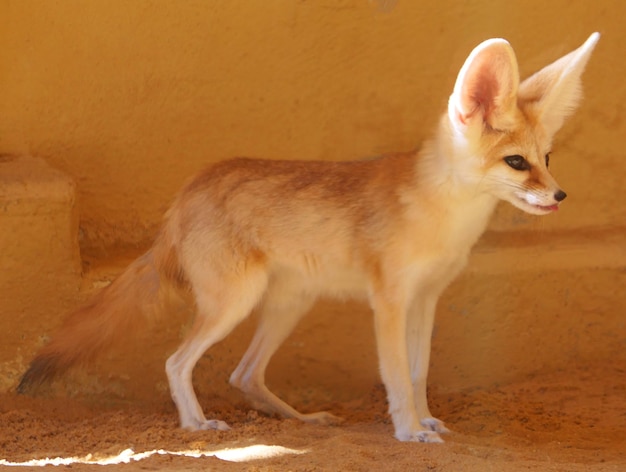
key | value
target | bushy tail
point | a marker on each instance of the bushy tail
(122, 308)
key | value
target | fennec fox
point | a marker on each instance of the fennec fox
(395, 230)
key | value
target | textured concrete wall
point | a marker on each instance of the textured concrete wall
(130, 98)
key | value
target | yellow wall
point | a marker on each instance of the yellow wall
(131, 97)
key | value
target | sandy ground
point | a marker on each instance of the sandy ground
(120, 411)
(565, 421)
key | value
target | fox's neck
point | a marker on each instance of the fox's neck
(462, 205)
(446, 161)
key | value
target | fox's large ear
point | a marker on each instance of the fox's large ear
(486, 87)
(556, 89)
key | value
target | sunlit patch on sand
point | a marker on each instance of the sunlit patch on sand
(239, 454)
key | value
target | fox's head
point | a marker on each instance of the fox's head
(502, 129)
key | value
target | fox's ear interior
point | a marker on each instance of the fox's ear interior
(556, 89)
(486, 87)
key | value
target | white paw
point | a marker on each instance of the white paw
(321, 417)
(215, 424)
(434, 424)
(421, 436)
(207, 425)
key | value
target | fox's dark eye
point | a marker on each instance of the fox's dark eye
(517, 162)
(548, 160)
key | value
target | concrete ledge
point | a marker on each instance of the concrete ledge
(514, 251)
(39, 252)
(39, 222)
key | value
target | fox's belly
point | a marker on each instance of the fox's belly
(322, 276)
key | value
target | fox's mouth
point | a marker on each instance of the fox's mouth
(548, 208)
(534, 208)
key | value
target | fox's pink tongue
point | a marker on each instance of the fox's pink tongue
(554, 207)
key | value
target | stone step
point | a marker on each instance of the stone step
(39, 254)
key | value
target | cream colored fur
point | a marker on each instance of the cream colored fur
(275, 235)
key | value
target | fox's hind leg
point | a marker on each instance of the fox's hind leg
(284, 305)
(222, 302)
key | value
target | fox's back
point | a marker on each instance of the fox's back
(332, 223)
(316, 217)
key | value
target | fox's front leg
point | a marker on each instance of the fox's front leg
(419, 335)
(391, 335)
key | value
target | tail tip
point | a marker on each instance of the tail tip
(41, 370)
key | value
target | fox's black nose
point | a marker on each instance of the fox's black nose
(560, 195)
